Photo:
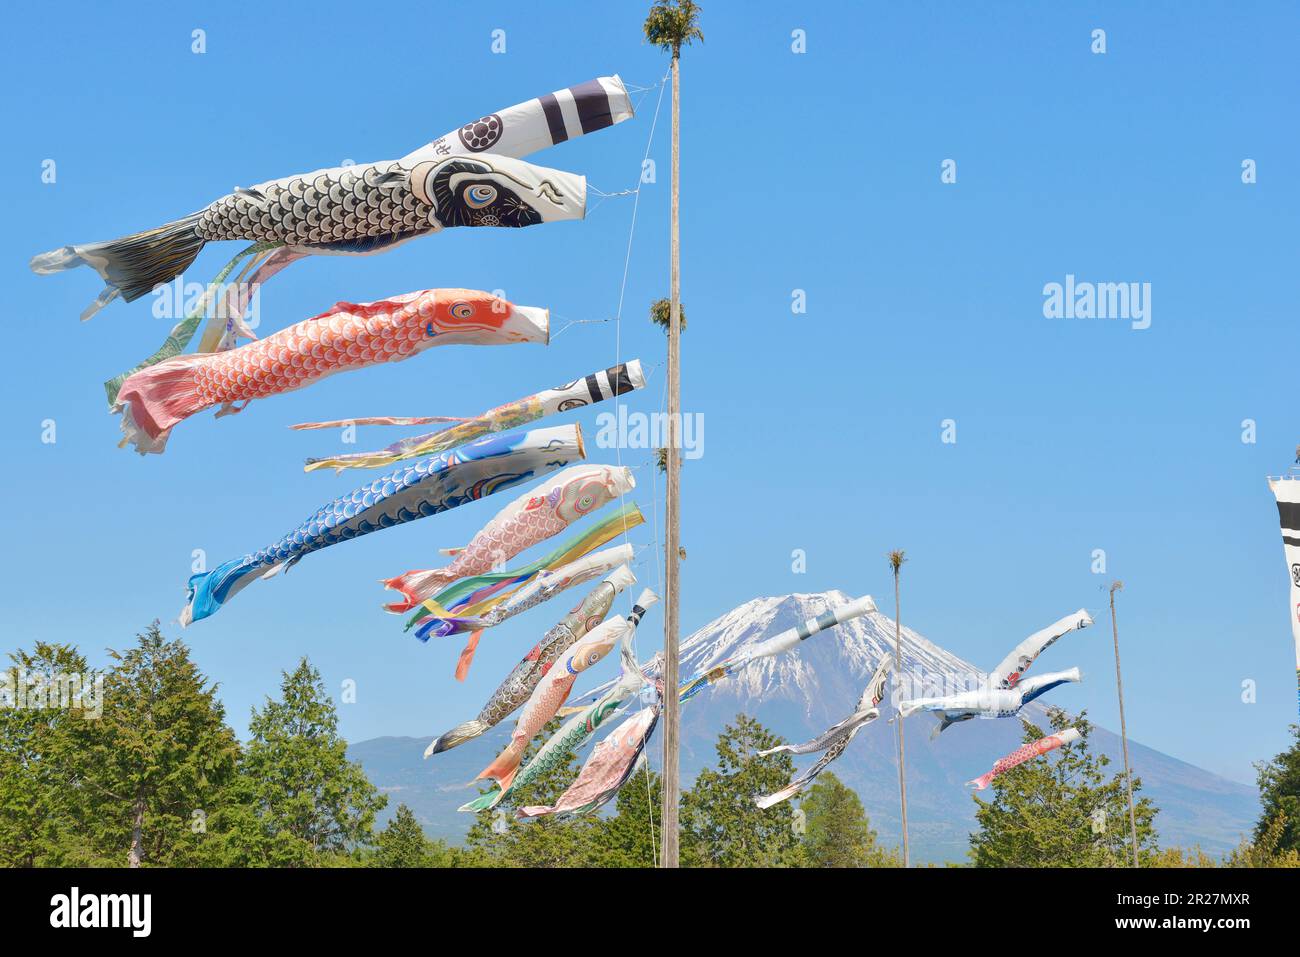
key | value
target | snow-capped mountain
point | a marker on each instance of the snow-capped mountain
(801, 693)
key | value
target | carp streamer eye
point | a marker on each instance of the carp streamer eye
(476, 197)
(461, 309)
(587, 497)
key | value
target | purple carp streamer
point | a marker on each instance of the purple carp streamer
(590, 389)
(1026, 752)
(835, 739)
(412, 492)
(610, 765)
(518, 686)
(479, 593)
(1004, 691)
(777, 644)
(469, 177)
(537, 515)
(1287, 493)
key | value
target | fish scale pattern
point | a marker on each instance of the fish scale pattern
(321, 208)
(348, 338)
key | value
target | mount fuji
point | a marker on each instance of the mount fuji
(800, 694)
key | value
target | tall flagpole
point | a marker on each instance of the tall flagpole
(896, 560)
(1123, 728)
(672, 706)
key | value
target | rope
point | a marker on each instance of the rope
(618, 352)
(576, 322)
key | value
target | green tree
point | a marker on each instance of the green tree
(1266, 849)
(1061, 810)
(41, 809)
(402, 843)
(301, 802)
(545, 842)
(837, 832)
(1279, 793)
(630, 836)
(721, 825)
(157, 762)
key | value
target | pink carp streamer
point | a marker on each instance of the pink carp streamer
(545, 511)
(1026, 752)
(553, 691)
(612, 762)
(348, 336)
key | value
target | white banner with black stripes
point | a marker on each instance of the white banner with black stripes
(1287, 493)
(535, 124)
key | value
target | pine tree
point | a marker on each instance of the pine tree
(1061, 810)
(630, 836)
(721, 825)
(301, 802)
(1279, 793)
(157, 762)
(402, 843)
(837, 832)
(41, 809)
(1266, 849)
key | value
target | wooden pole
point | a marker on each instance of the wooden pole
(898, 683)
(672, 707)
(1123, 728)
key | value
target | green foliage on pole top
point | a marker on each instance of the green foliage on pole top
(1061, 810)
(673, 24)
(662, 316)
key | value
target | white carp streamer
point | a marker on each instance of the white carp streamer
(1006, 690)
(834, 739)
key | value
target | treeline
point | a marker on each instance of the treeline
(148, 773)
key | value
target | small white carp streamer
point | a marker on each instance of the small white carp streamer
(1009, 670)
(1026, 752)
(834, 739)
(988, 701)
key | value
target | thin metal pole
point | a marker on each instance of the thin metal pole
(1123, 728)
(672, 714)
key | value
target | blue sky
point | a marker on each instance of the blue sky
(818, 172)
